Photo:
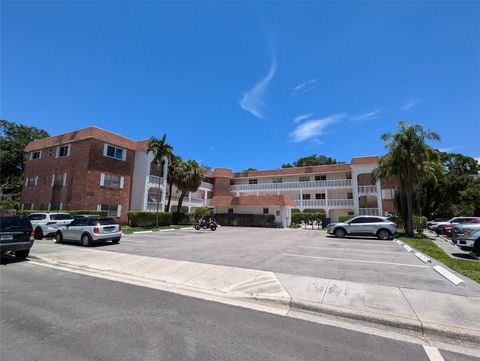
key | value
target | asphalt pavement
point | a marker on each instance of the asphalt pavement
(48, 314)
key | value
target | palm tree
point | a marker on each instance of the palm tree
(172, 177)
(160, 150)
(406, 159)
(190, 177)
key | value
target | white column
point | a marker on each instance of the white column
(205, 198)
(301, 198)
(379, 198)
(189, 200)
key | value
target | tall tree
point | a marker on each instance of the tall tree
(189, 179)
(13, 140)
(173, 176)
(160, 150)
(311, 160)
(408, 154)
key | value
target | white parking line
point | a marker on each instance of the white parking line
(343, 249)
(433, 353)
(355, 260)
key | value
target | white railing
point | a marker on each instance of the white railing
(340, 202)
(206, 185)
(368, 211)
(186, 200)
(152, 207)
(310, 202)
(154, 181)
(291, 185)
(367, 189)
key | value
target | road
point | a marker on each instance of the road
(48, 314)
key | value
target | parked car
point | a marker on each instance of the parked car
(47, 224)
(448, 230)
(432, 224)
(89, 229)
(364, 226)
(467, 237)
(16, 235)
(456, 220)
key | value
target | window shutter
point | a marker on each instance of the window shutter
(26, 182)
(105, 146)
(121, 182)
(124, 154)
(64, 178)
(36, 180)
(40, 155)
(53, 180)
(49, 205)
(61, 206)
(119, 210)
(102, 179)
(99, 207)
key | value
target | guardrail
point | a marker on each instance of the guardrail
(324, 203)
(370, 189)
(291, 185)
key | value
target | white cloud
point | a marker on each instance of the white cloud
(305, 86)
(477, 159)
(252, 100)
(302, 117)
(409, 104)
(314, 128)
(449, 149)
(360, 118)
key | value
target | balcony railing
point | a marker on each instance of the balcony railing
(193, 200)
(323, 203)
(206, 185)
(154, 180)
(369, 211)
(370, 189)
(291, 185)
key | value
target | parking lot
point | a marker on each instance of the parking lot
(299, 252)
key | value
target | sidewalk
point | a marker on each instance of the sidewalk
(425, 312)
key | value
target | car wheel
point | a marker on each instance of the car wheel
(197, 227)
(476, 247)
(86, 241)
(58, 238)
(383, 234)
(38, 233)
(22, 254)
(116, 240)
(340, 233)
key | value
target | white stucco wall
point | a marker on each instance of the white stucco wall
(139, 181)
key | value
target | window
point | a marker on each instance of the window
(388, 193)
(305, 196)
(320, 177)
(37, 216)
(304, 179)
(27, 206)
(348, 176)
(232, 182)
(112, 210)
(36, 155)
(112, 181)
(50, 152)
(319, 195)
(253, 181)
(230, 210)
(114, 152)
(265, 210)
(32, 181)
(277, 213)
(83, 221)
(277, 180)
(63, 151)
(349, 195)
(360, 220)
(59, 179)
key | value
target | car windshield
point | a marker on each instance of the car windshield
(9, 222)
(61, 216)
(106, 221)
(37, 217)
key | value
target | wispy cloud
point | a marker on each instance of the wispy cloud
(449, 149)
(305, 86)
(252, 100)
(477, 159)
(314, 128)
(409, 104)
(363, 117)
(302, 117)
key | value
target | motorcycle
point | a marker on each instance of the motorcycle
(206, 224)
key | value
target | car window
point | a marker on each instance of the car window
(9, 222)
(92, 221)
(80, 221)
(61, 217)
(376, 220)
(106, 221)
(358, 220)
(37, 217)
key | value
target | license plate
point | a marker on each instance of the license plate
(6, 237)
(109, 229)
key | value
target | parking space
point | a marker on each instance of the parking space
(298, 252)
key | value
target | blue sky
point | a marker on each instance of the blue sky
(246, 84)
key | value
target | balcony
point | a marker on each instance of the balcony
(370, 189)
(336, 183)
(369, 211)
(323, 203)
(190, 201)
(154, 181)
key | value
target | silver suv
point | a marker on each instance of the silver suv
(467, 237)
(89, 229)
(47, 224)
(364, 226)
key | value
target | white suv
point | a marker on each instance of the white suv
(47, 224)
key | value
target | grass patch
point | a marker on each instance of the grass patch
(130, 230)
(471, 269)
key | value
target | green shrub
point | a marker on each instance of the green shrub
(202, 212)
(72, 212)
(420, 223)
(298, 218)
(183, 218)
(396, 219)
(148, 219)
(345, 218)
(245, 220)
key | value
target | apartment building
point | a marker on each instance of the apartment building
(96, 169)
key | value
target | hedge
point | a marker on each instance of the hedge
(148, 219)
(72, 212)
(420, 223)
(298, 218)
(345, 218)
(183, 218)
(245, 220)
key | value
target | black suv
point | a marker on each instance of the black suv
(15, 235)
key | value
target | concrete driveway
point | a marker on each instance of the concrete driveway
(297, 252)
